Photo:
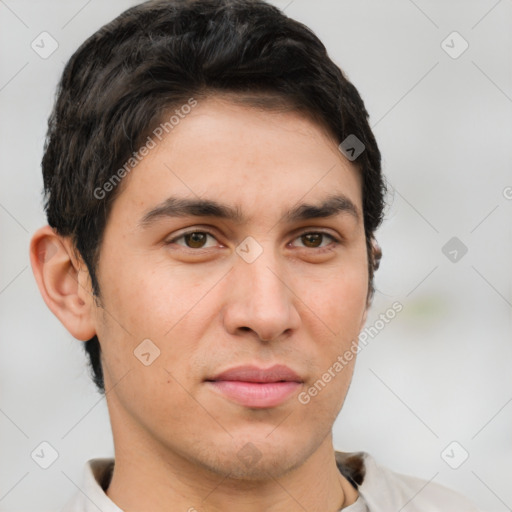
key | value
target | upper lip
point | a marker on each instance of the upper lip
(248, 373)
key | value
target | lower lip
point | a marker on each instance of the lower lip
(256, 394)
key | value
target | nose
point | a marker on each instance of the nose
(261, 299)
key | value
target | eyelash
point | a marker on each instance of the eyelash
(318, 249)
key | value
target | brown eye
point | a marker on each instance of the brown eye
(312, 239)
(194, 240)
(315, 240)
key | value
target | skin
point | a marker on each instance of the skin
(300, 303)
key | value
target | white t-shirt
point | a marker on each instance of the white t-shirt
(380, 489)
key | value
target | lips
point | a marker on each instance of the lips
(255, 387)
(275, 373)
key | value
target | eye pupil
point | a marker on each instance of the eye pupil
(195, 240)
(312, 238)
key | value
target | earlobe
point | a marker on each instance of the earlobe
(63, 282)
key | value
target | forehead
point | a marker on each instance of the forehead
(255, 160)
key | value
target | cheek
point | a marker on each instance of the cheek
(336, 301)
(157, 303)
(148, 296)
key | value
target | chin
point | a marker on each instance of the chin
(253, 459)
(267, 466)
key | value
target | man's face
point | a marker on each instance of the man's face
(292, 294)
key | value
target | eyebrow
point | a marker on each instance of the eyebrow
(184, 207)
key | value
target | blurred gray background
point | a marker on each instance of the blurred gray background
(432, 392)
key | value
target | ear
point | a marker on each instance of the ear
(63, 281)
(375, 257)
(363, 318)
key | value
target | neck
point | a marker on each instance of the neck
(146, 478)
